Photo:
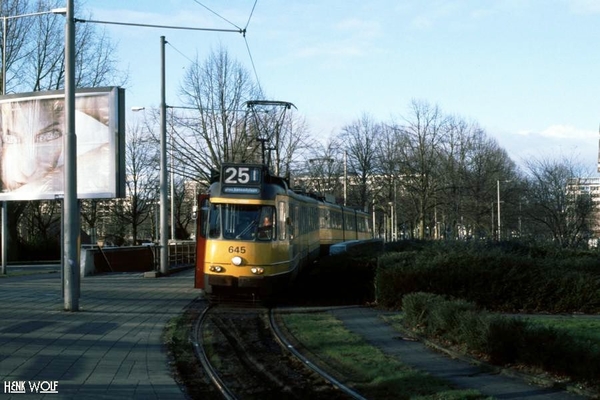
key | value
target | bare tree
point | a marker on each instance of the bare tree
(16, 39)
(422, 139)
(40, 227)
(214, 133)
(35, 50)
(360, 142)
(292, 143)
(555, 202)
(142, 179)
(472, 163)
(387, 181)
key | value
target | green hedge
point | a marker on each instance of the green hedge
(497, 277)
(503, 340)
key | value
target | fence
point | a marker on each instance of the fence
(182, 253)
(96, 259)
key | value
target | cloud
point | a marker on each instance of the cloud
(360, 28)
(584, 6)
(330, 50)
(561, 132)
(350, 38)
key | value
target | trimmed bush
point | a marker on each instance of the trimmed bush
(502, 340)
(505, 339)
(493, 277)
(417, 307)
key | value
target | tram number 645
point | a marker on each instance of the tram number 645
(237, 249)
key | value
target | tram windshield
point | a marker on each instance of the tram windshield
(241, 222)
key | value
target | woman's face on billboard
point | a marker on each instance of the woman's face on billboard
(32, 142)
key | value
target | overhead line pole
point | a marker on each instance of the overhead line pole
(164, 225)
(71, 204)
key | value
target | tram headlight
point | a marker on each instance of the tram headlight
(257, 270)
(216, 268)
(237, 261)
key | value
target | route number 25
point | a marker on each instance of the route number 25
(237, 175)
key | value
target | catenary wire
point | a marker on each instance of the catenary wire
(181, 53)
(253, 66)
(243, 31)
(218, 15)
(251, 13)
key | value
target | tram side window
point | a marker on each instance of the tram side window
(337, 220)
(350, 225)
(324, 218)
(282, 220)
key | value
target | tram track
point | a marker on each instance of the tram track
(203, 359)
(245, 355)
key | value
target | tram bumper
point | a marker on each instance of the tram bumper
(258, 282)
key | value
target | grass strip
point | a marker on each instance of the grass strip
(373, 374)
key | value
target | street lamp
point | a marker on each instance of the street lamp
(162, 228)
(499, 219)
(164, 256)
(71, 225)
(61, 11)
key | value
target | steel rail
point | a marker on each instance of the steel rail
(197, 343)
(287, 345)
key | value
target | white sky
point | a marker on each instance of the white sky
(526, 70)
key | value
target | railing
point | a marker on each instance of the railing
(182, 253)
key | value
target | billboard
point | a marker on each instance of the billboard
(32, 129)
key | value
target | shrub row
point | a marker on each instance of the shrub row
(497, 277)
(503, 340)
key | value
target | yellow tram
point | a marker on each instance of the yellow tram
(256, 234)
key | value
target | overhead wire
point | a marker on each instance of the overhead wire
(248, 47)
(181, 53)
(251, 13)
(243, 32)
(253, 66)
(217, 14)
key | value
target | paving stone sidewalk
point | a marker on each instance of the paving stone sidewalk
(110, 349)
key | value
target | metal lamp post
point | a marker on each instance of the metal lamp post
(163, 241)
(164, 224)
(499, 218)
(71, 204)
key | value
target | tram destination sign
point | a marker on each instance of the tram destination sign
(241, 179)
